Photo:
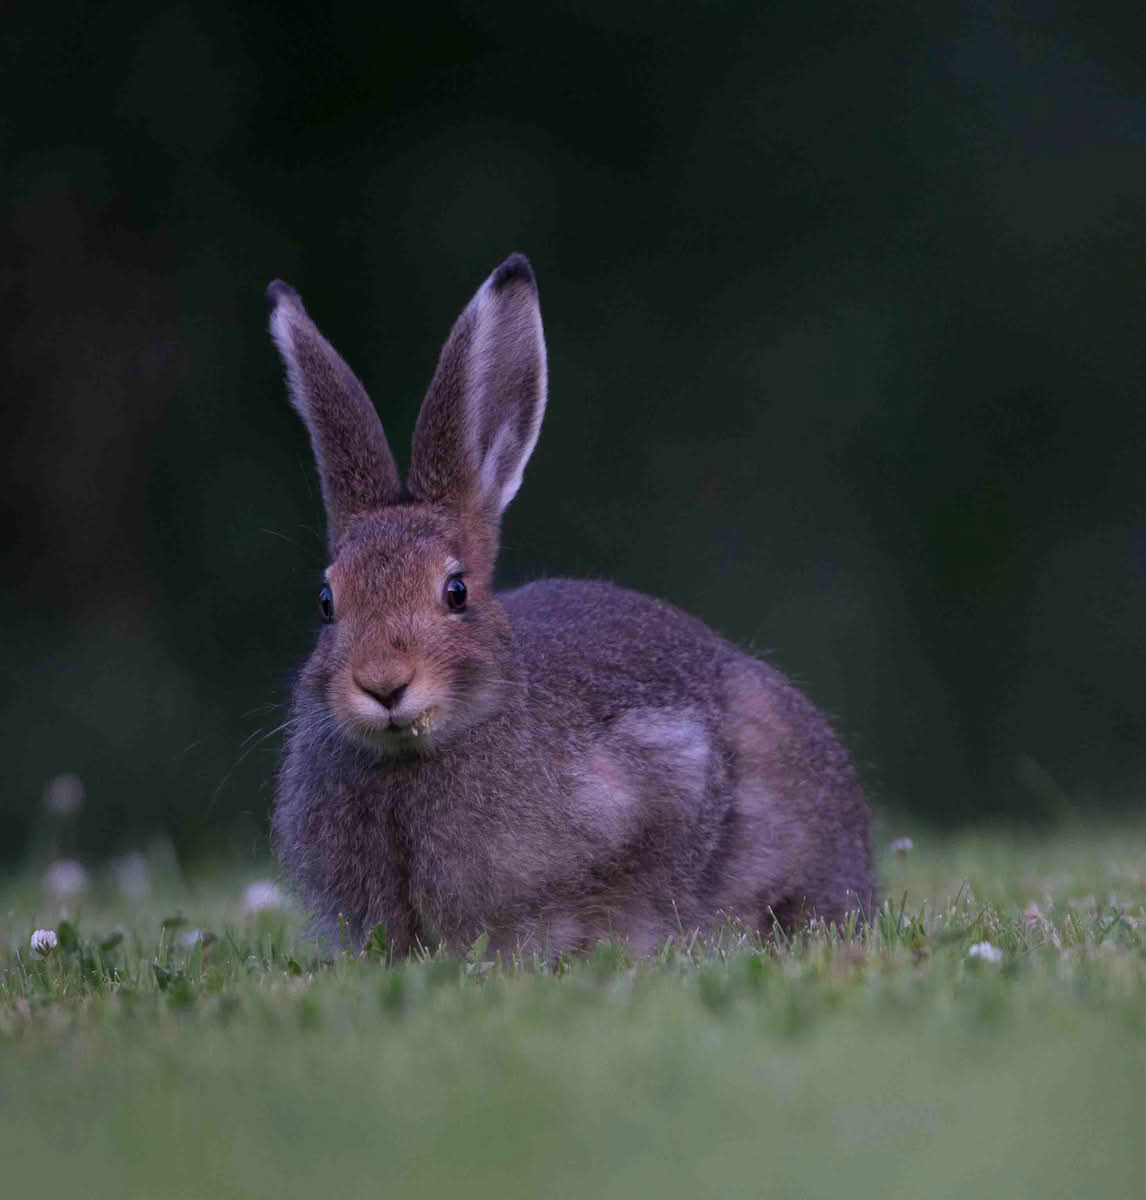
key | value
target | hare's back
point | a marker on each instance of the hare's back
(614, 649)
(595, 651)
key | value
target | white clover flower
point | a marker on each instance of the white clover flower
(64, 795)
(65, 877)
(263, 896)
(44, 941)
(133, 876)
(986, 952)
(901, 846)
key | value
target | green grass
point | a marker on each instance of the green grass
(886, 1064)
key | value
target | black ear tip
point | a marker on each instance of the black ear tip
(515, 268)
(277, 292)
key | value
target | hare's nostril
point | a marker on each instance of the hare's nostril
(388, 697)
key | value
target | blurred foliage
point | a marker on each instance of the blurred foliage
(843, 307)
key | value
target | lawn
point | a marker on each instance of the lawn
(177, 1044)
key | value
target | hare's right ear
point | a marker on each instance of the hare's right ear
(482, 414)
(355, 465)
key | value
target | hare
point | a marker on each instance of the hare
(550, 766)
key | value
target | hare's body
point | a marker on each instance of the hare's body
(617, 793)
(552, 766)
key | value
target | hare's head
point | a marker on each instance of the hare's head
(414, 648)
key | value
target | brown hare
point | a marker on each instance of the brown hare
(549, 766)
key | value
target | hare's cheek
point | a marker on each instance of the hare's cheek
(473, 676)
(482, 690)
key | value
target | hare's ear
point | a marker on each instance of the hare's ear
(355, 465)
(482, 414)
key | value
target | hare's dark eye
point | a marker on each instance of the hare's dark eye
(455, 593)
(326, 603)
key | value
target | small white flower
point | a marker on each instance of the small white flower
(132, 876)
(64, 795)
(44, 941)
(263, 896)
(986, 952)
(901, 846)
(65, 877)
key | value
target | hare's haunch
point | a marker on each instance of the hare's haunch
(550, 766)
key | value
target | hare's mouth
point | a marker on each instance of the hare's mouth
(398, 737)
(420, 726)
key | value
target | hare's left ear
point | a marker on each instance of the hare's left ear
(482, 414)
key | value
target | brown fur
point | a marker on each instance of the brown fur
(550, 766)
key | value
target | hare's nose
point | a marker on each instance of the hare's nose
(387, 694)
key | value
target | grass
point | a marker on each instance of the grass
(141, 1060)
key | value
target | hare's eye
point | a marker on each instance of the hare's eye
(455, 593)
(326, 603)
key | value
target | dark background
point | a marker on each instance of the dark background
(845, 312)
